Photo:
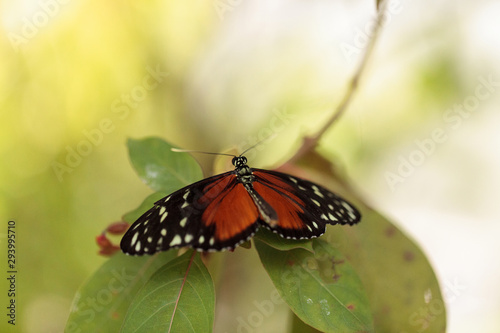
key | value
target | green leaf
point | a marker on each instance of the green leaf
(280, 243)
(157, 308)
(298, 326)
(161, 168)
(321, 288)
(401, 285)
(101, 303)
(132, 216)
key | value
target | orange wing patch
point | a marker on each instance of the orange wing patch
(231, 209)
(281, 198)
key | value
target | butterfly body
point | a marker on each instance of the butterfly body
(223, 211)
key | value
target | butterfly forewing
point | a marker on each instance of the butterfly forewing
(210, 215)
(304, 208)
(221, 212)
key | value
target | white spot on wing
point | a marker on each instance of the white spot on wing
(317, 191)
(188, 238)
(134, 238)
(316, 203)
(163, 217)
(182, 223)
(163, 232)
(346, 205)
(176, 241)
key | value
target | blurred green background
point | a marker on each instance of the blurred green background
(80, 77)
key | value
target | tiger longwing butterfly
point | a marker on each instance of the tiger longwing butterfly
(221, 212)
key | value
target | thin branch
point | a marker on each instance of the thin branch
(310, 142)
(180, 291)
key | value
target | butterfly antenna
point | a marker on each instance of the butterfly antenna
(270, 137)
(178, 150)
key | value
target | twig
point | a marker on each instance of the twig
(310, 142)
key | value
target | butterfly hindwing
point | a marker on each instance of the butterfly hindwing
(304, 208)
(221, 212)
(211, 215)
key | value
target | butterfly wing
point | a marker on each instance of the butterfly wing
(303, 208)
(210, 215)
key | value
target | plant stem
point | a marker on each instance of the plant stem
(310, 142)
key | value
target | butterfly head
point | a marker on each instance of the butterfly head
(239, 161)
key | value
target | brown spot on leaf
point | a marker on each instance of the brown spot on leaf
(290, 262)
(390, 231)
(351, 307)
(408, 256)
(335, 262)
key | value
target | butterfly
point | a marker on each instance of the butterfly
(221, 212)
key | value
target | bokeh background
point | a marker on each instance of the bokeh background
(420, 140)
